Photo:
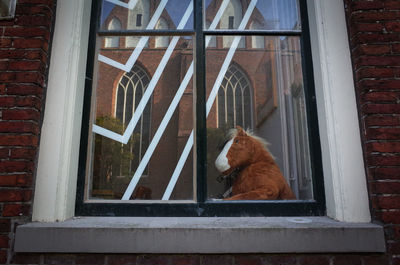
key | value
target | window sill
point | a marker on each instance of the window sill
(199, 235)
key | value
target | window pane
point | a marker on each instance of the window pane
(261, 90)
(265, 15)
(142, 117)
(146, 13)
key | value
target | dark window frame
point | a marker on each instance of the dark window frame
(204, 207)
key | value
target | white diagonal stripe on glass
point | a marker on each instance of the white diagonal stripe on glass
(150, 88)
(211, 98)
(157, 136)
(130, 5)
(139, 47)
(160, 131)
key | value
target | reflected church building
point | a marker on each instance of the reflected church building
(261, 90)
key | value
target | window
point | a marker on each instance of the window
(113, 42)
(138, 20)
(137, 155)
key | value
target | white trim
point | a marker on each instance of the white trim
(55, 187)
(345, 183)
(345, 180)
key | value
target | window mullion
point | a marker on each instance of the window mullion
(200, 154)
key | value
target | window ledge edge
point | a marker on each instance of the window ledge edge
(199, 235)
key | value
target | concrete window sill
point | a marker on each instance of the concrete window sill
(199, 235)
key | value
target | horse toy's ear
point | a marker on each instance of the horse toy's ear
(240, 131)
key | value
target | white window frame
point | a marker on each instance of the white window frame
(343, 165)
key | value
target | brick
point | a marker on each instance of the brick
(382, 120)
(153, 260)
(383, 133)
(21, 114)
(389, 202)
(248, 260)
(4, 65)
(377, 60)
(374, 72)
(383, 160)
(18, 140)
(386, 187)
(379, 84)
(24, 258)
(15, 195)
(90, 259)
(25, 65)
(4, 153)
(393, 26)
(30, 101)
(185, 260)
(122, 259)
(393, 247)
(11, 210)
(387, 173)
(395, 48)
(373, 16)
(27, 32)
(377, 49)
(24, 90)
(384, 147)
(30, 43)
(34, 10)
(5, 225)
(19, 127)
(314, 259)
(7, 77)
(4, 241)
(29, 77)
(43, 2)
(7, 102)
(16, 166)
(279, 259)
(33, 21)
(381, 108)
(347, 260)
(3, 257)
(5, 42)
(23, 153)
(376, 260)
(363, 38)
(394, 4)
(366, 5)
(19, 180)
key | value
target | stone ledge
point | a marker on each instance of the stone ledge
(199, 235)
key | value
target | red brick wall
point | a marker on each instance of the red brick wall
(375, 46)
(374, 32)
(24, 49)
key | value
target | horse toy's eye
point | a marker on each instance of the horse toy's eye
(236, 141)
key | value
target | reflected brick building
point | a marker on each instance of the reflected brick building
(262, 69)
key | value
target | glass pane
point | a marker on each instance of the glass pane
(142, 118)
(146, 14)
(244, 15)
(260, 89)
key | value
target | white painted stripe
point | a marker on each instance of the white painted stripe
(154, 80)
(148, 92)
(157, 136)
(107, 133)
(166, 119)
(178, 168)
(141, 44)
(211, 98)
(129, 5)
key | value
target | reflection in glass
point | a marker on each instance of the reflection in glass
(262, 91)
(269, 14)
(148, 157)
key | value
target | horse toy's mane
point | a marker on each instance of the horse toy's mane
(259, 176)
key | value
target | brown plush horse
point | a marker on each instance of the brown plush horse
(259, 176)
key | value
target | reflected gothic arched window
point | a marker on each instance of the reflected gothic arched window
(113, 42)
(130, 90)
(162, 41)
(235, 100)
